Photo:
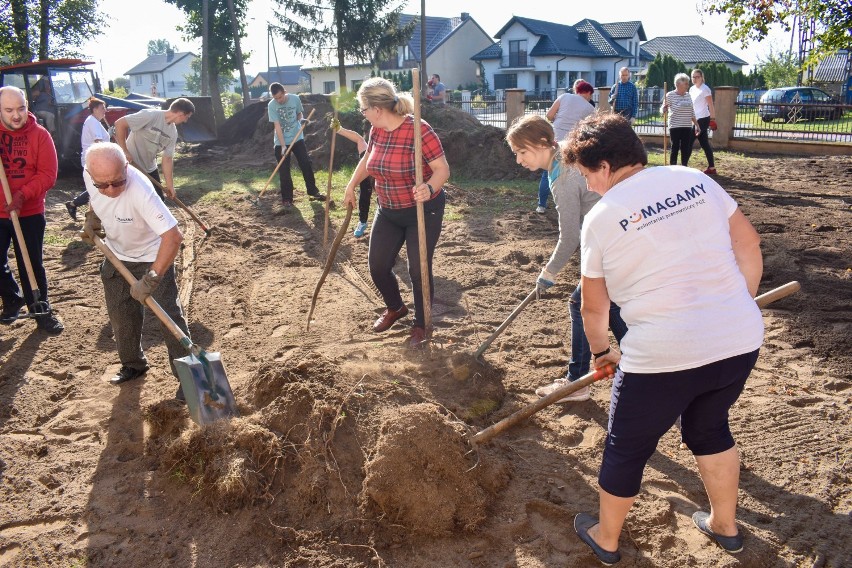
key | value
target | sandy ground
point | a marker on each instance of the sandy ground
(352, 451)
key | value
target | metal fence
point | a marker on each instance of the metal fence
(488, 109)
(796, 121)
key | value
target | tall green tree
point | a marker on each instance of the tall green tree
(363, 31)
(47, 28)
(662, 71)
(222, 52)
(158, 46)
(751, 21)
(779, 69)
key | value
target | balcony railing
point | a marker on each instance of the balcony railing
(517, 60)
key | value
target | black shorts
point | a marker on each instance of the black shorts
(644, 406)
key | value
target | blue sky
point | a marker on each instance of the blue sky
(133, 24)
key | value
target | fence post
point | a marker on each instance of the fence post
(725, 101)
(514, 105)
(603, 99)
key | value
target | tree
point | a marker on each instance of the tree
(750, 20)
(361, 30)
(158, 46)
(48, 28)
(662, 70)
(221, 50)
(779, 69)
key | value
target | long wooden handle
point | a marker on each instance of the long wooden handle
(286, 153)
(22, 245)
(505, 324)
(776, 294)
(180, 203)
(328, 188)
(149, 301)
(530, 409)
(329, 261)
(421, 216)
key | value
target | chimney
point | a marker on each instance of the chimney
(170, 54)
(465, 16)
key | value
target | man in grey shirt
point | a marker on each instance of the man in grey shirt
(144, 134)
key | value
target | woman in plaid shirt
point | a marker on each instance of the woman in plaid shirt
(390, 160)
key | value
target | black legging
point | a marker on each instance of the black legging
(704, 140)
(32, 228)
(391, 229)
(364, 197)
(681, 140)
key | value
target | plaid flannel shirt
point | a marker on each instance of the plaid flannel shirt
(626, 99)
(391, 162)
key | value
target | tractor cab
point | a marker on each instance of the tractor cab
(58, 92)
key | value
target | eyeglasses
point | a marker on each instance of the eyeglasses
(363, 111)
(116, 184)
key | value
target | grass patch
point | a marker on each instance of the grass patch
(57, 238)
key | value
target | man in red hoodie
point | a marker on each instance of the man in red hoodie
(29, 160)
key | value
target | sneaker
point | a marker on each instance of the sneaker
(584, 393)
(11, 310)
(127, 374)
(710, 171)
(317, 197)
(72, 209)
(540, 210)
(48, 323)
(731, 544)
(360, 229)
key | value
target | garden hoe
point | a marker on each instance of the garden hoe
(283, 157)
(38, 307)
(596, 375)
(329, 261)
(180, 203)
(485, 344)
(201, 374)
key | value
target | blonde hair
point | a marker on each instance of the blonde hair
(531, 131)
(380, 93)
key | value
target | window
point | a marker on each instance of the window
(138, 80)
(560, 79)
(506, 81)
(154, 78)
(600, 79)
(356, 84)
(403, 54)
(518, 53)
(328, 87)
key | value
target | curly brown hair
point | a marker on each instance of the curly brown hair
(603, 137)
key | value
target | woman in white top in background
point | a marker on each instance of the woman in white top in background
(94, 130)
(682, 122)
(705, 113)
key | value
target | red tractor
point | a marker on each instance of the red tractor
(62, 88)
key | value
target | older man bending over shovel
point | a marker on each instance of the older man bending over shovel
(144, 235)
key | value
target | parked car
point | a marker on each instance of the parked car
(798, 103)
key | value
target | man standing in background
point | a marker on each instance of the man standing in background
(624, 98)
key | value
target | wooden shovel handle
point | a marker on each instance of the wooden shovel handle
(328, 188)
(421, 216)
(16, 223)
(485, 344)
(286, 153)
(776, 294)
(180, 203)
(329, 262)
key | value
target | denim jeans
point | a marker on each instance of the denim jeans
(581, 354)
(543, 189)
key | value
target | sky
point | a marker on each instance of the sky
(132, 24)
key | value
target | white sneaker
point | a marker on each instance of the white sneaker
(584, 393)
(540, 210)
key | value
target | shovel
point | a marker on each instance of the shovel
(283, 157)
(421, 215)
(598, 374)
(201, 374)
(505, 324)
(38, 307)
(180, 203)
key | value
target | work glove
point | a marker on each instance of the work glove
(712, 125)
(544, 283)
(17, 202)
(92, 224)
(335, 124)
(144, 287)
(303, 121)
(632, 121)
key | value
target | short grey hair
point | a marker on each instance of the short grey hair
(681, 78)
(105, 151)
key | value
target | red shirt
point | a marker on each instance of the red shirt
(391, 162)
(29, 159)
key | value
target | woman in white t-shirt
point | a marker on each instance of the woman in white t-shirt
(705, 113)
(671, 248)
(94, 130)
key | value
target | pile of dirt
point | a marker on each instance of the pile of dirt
(473, 150)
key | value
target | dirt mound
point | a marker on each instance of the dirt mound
(420, 476)
(166, 419)
(300, 366)
(231, 464)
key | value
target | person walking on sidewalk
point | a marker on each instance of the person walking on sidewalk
(94, 130)
(29, 160)
(144, 235)
(705, 113)
(286, 112)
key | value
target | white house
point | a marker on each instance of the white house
(449, 44)
(162, 75)
(543, 56)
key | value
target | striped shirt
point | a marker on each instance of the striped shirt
(681, 111)
(391, 162)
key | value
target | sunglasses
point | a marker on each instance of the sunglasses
(116, 184)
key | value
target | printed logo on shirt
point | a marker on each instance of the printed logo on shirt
(124, 219)
(653, 211)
